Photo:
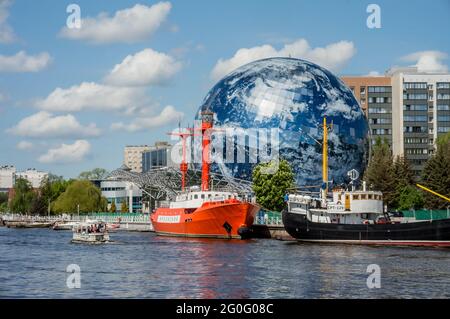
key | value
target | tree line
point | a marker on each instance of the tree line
(395, 179)
(57, 195)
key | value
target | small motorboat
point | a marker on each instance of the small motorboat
(91, 233)
(113, 227)
(61, 225)
(28, 224)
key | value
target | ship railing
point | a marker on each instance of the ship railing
(269, 221)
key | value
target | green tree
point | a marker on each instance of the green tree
(124, 206)
(379, 174)
(436, 174)
(51, 188)
(23, 197)
(410, 197)
(96, 173)
(83, 193)
(403, 179)
(3, 202)
(113, 207)
(270, 184)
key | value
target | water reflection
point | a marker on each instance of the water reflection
(142, 265)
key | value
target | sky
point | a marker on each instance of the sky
(72, 98)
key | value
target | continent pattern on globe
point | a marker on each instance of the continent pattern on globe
(293, 96)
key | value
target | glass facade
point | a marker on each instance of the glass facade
(155, 159)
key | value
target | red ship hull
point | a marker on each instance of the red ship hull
(222, 219)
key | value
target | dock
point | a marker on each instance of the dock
(128, 222)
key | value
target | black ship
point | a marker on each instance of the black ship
(356, 217)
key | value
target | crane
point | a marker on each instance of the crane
(433, 192)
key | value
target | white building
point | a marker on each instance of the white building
(119, 191)
(32, 175)
(420, 113)
(7, 177)
(132, 155)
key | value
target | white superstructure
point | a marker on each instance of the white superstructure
(194, 199)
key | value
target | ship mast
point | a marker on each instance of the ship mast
(183, 166)
(324, 190)
(207, 124)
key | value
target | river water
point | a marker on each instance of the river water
(33, 264)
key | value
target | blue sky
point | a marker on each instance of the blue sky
(188, 45)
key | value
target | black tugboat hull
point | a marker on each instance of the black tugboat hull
(426, 233)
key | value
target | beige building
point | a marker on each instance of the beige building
(360, 87)
(132, 155)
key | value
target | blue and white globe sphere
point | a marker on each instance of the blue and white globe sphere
(293, 95)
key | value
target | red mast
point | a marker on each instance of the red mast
(207, 124)
(183, 166)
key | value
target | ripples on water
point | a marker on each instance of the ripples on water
(141, 265)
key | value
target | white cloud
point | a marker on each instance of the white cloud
(44, 124)
(24, 145)
(127, 25)
(168, 115)
(6, 32)
(147, 67)
(428, 61)
(22, 62)
(374, 74)
(93, 96)
(333, 56)
(67, 153)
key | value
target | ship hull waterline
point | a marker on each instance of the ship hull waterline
(215, 220)
(420, 233)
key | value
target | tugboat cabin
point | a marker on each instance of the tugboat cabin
(347, 207)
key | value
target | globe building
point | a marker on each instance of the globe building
(290, 97)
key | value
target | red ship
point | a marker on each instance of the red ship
(205, 212)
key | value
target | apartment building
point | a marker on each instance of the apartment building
(409, 108)
(374, 95)
(132, 155)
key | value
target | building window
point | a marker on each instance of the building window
(416, 140)
(380, 121)
(443, 129)
(381, 131)
(443, 85)
(442, 96)
(415, 85)
(415, 129)
(415, 96)
(416, 151)
(443, 118)
(415, 107)
(379, 89)
(415, 118)
(443, 107)
(378, 110)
